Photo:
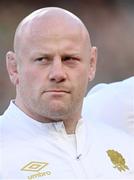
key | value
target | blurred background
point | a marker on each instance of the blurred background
(111, 26)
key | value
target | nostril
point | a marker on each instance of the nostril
(57, 78)
(57, 75)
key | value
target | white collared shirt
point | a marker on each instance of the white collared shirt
(30, 149)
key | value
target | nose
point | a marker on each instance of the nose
(57, 72)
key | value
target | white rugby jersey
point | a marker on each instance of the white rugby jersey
(33, 150)
(112, 104)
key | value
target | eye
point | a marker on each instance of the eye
(66, 58)
(70, 58)
(42, 60)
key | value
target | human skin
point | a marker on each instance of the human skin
(51, 66)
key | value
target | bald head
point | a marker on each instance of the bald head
(48, 19)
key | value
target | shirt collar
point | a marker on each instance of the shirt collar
(59, 126)
(20, 117)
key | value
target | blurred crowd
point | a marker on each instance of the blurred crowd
(111, 26)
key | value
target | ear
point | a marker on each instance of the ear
(11, 64)
(93, 61)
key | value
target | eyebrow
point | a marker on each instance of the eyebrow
(40, 54)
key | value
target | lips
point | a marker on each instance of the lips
(57, 91)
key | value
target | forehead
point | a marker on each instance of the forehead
(53, 27)
(52, 31)
(56, 37)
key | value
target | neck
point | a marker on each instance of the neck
(70, 125)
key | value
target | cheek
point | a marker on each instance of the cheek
(83, 76)
(29, 79)
(81, 81)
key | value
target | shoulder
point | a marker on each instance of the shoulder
(121, 89)
(7, 123)
(124, 85)
(1, 120)
(112, 103)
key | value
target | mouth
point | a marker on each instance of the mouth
(57, 91)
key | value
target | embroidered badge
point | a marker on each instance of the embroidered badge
(117, 160)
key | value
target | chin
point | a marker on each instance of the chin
(58, 112)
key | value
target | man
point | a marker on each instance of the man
(113, 104)
(42, 133)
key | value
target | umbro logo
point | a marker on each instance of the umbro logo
(36, 166)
